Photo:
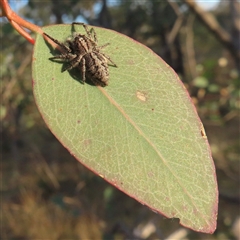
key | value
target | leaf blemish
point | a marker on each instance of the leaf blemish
(131, 62)
(203, 133)
(141, 96)
(87, 142)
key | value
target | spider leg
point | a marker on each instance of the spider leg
(83, 70)
(85, 27)
(73, 63)
(94, 35)
(67, 57)
(109, 59)
(91, 33)
(106, 56)
(64, 47)
(103, 46)
(63, 56)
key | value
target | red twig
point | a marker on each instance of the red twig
(19, 23)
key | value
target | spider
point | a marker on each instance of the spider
(82, 52)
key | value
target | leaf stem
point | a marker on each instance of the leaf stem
(19, 23)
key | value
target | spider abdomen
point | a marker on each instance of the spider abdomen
(97, 68)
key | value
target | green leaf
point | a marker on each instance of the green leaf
(141, 133)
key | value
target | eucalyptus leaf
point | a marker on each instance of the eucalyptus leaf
(141, 133)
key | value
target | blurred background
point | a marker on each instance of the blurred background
(45, 192)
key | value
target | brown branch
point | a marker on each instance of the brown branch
(178, 23)
(211, 23)
(190, 52)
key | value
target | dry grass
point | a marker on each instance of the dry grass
(32, 219)
(39, 201)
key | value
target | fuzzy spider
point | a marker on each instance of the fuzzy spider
(82, 52)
